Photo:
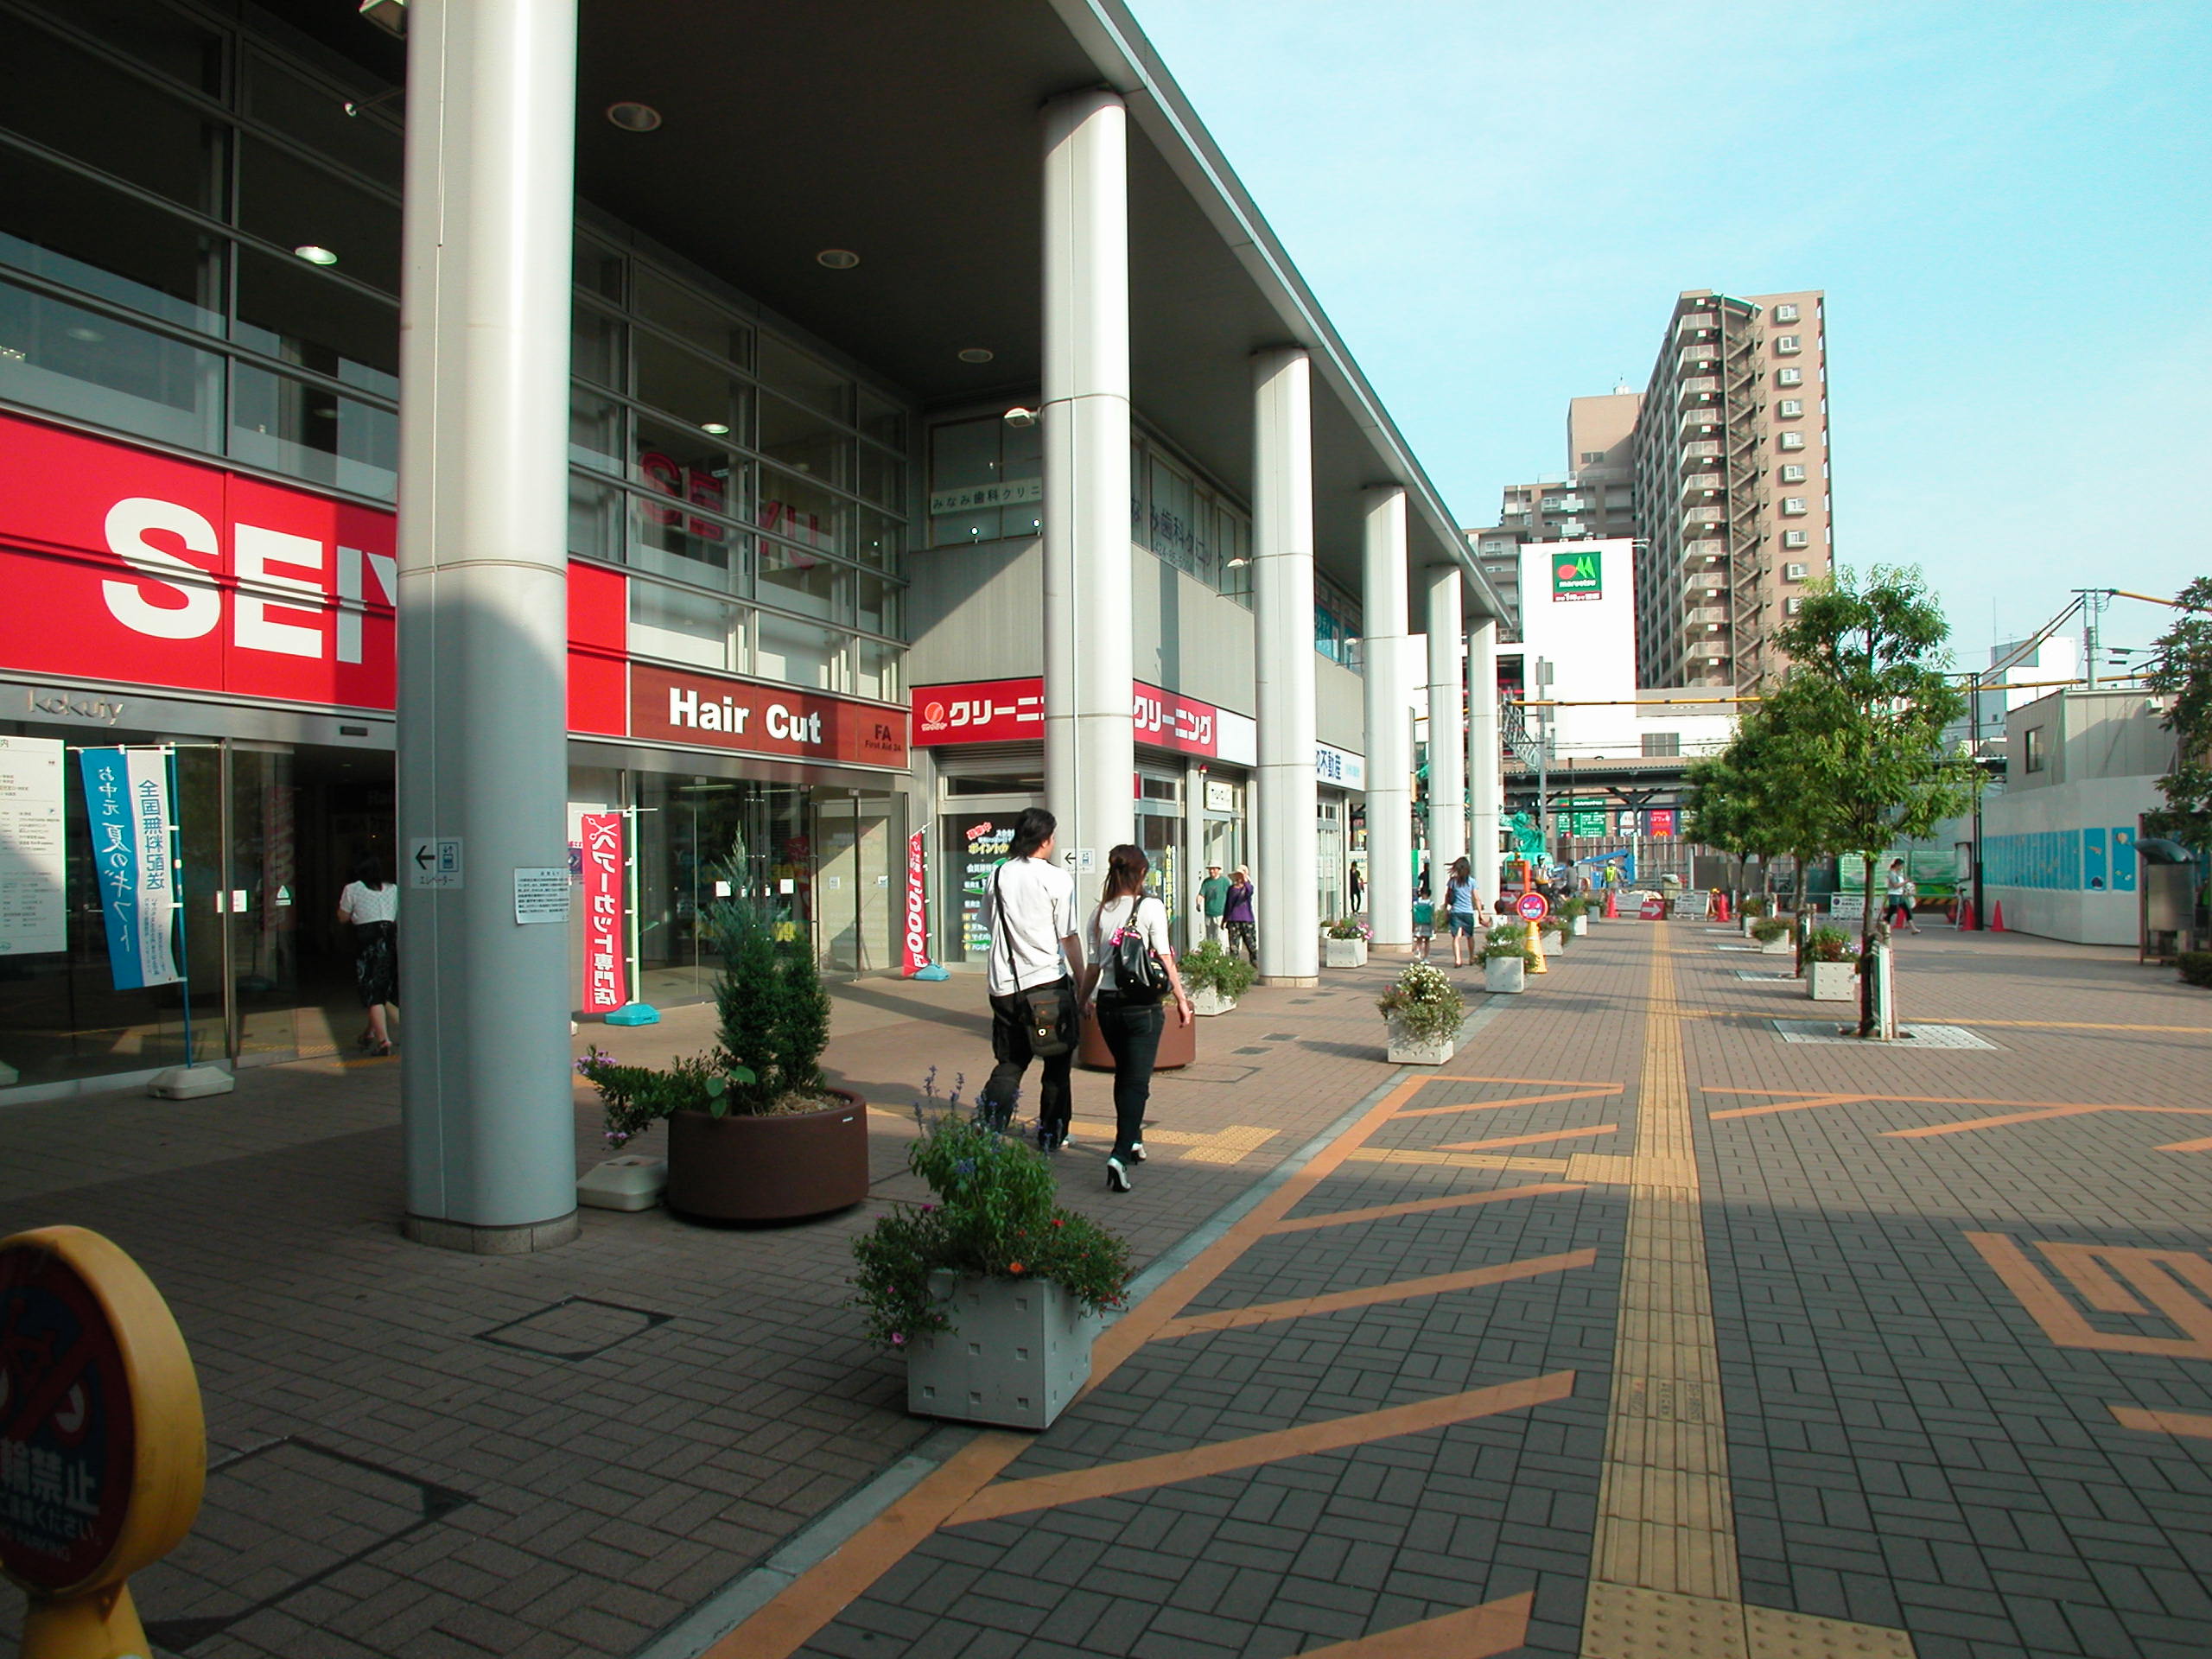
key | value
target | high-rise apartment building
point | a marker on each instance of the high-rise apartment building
(1732, 504)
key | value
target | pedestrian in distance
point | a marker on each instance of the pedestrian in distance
(1896, 897)
(1129, 930)
(1034, 957)
(370, 903)
(1462, 907)
(1237, 915)
(1213, 899)
(1358, 889)
(1424, 925)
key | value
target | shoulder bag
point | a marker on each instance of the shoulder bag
(1138, 970)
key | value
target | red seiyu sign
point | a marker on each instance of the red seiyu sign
(604, 957)
(123, 565)
(914, 937)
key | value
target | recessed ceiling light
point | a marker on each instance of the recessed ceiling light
(977, 354)
(838, 258)
(714, 428)
(316, 256)
(633, 117)
(89, 336)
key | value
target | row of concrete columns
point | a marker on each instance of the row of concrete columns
(482, 759)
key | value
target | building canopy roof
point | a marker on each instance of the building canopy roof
(912, 136)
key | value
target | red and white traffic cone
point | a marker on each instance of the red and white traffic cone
(1612, 911)
(1997, 918)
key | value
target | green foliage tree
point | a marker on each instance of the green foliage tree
(802, 1018)
(747, 994)
(2181, 670)
(1756, 798)
(1865, 702)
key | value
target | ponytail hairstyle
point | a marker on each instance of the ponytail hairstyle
(1126, 867)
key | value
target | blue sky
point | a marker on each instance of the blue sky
(2009, 206)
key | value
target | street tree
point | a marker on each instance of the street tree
(1753, 800)
(2181, 668)
(1866, 699)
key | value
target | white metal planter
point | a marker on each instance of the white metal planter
(1831, 981)
(1019, 1352)
(1580, 925)
(1550, 944)
(1345, 953)
(1505, 975)
(1406, 1050)
(1780, 945)
(1204, 1000)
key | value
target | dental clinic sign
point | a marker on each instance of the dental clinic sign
(123, 566)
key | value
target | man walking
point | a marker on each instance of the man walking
(1035, 955)
(1213, 899)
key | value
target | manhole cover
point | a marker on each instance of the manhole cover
(1911, 1037)
(576, 1327)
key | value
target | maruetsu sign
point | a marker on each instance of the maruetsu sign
(1577, 575)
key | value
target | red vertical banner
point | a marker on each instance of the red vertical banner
(606, 959)
(914, 937)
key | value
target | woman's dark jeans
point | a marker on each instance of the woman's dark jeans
(1132, 1033)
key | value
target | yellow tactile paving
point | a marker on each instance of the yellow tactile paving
(1663, 1581)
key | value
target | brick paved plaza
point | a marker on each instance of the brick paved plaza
(1636, 1330)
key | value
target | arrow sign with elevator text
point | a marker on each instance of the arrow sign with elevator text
(434, 861)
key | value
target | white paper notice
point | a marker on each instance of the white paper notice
(32, 919)
(542, 895)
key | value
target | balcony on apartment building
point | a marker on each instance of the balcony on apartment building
(1702, 449)
(1697, 322)
(1709, 483)
(1697, 385)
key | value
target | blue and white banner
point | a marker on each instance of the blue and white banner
(127, 797)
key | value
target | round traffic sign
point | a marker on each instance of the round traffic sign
(1532, 906)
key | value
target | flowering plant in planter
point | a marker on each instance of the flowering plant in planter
(1349, 927)
(1829, 945)
(1508, 939)
(1210, 967)
(1424, 1004)
(1768, 929)
(994, 1217)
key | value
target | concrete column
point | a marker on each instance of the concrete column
(1284, 866)
(1090, 749)
(1390, 724)
(489, 1122)
(1447, 752)
(1485, 775)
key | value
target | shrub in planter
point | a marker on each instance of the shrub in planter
(1425, 1010)
(1768, 929)
(1349, 927)
(1343, 943)
(994, 1259)
(2194, 967)
(1829, 945)
(753, 1133)
(1214, 977)
(1508, 939)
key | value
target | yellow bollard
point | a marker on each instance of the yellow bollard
(1536, 945)
(98, 1389)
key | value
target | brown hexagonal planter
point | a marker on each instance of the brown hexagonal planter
(768, 1168)
(1179, 1045)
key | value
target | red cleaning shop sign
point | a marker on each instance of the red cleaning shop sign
(1008, 711)
(604, 958)
(914, 938)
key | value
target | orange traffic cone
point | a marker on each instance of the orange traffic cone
(1997, 918)
(1965, 924)
(1612, 911)
(1720, 907)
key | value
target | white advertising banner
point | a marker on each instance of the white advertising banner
(32, 919)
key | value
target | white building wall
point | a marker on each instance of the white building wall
(1588, 639)
(2066, 855)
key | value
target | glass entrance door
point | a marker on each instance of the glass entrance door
(259, 905)
(856, 898)
(1161, 839)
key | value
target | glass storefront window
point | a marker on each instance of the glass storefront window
(313, 115)
(286, 311)
(966, 456)
(881, 478)
(599, 269)
(882, 420)
(877, 539)
(682, 467)
(293, 203)
(70, 101)
(786, 370)
(683, 627)
(290, 426)
(56, 225)
(691, 317)
(1173, 536)
(798, 653)
(77, 363)
(881, 610)
(595, 512)
(596, 432)
(804, 440)
(792, 581)
(876, 666)
(803, 512)
(158, 37)
(693, 390)
(595, 347)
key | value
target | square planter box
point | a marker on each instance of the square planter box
(1345, 953)
(1505, 975)
(1207, 1001)
(1019, 1350)
(1831, 981)
(1582, 927)
(1551, 944)
(1781, 945)
(1411, 1051)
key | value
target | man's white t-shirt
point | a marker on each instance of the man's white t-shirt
(1028, 908)
(1110, 918)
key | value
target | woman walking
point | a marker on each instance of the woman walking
(372, 904)
(1462, 907)
(1237, 915)
(1130, 1016)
